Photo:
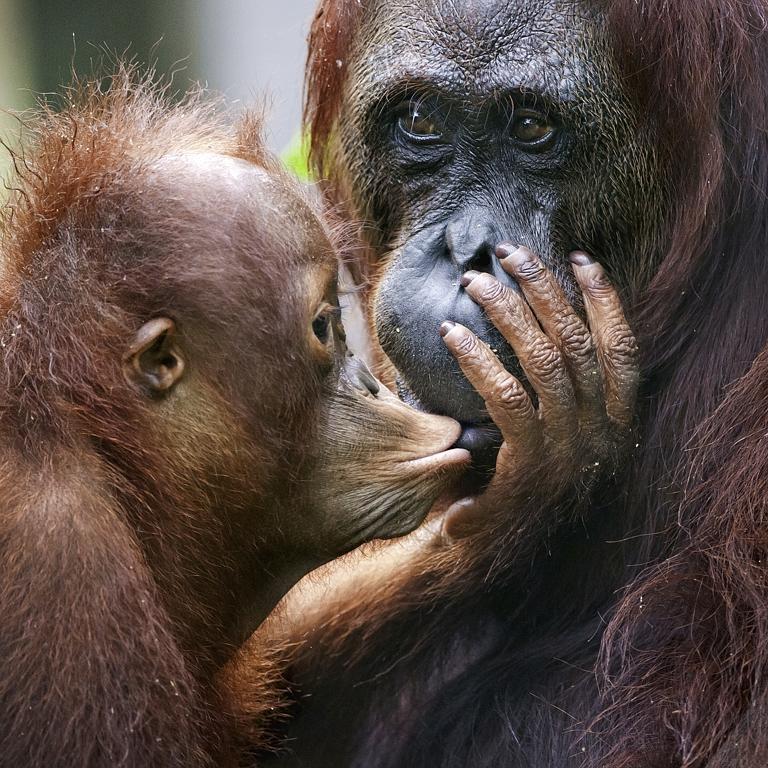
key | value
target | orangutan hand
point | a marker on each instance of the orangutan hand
(585, 378)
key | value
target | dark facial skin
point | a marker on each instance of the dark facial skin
(480, 125)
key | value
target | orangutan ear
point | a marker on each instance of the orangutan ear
(153, 362)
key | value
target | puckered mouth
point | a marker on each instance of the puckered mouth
(450, 459)
(445, 455)
(481, 438)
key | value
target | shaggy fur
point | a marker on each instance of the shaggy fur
(643, 642)
(111, 545)
(145, 529)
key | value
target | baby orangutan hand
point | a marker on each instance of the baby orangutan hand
(585, 376)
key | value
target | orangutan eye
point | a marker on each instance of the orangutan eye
(532, 128)
(417, 123)
(322, 325)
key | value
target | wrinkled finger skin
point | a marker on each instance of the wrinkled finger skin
(584, 373)
(507, 401)
(539, 357)
(615, 343)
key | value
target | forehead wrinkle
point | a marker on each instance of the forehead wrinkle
(478, 49)
(546, 71)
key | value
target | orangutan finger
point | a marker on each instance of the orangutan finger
(462, 519)
(614, 340)
(507, 402)
(560, 322)
(539, 357)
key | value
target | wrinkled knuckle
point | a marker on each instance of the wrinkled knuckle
(466, 346)
(620, 344)
(576, 337)
(583, 347)
(510, 394)
(547, 361)
(531, 270)
(491, 291)
(599, 283)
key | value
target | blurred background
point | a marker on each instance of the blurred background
(241, 48)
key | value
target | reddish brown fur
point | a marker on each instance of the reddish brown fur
(703, 69)
(102, 661)
(698, 488)
(182, 434)
(331, 41)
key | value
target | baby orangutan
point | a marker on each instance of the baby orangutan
(182, 433)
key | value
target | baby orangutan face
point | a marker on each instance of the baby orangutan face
(314, 455)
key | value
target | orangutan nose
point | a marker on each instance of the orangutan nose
(471, 239)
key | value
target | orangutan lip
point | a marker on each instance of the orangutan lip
(479, 437)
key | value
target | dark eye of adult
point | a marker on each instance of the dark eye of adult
(417, 123)
(532, 128)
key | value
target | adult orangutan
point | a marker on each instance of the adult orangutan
(604, 601)
(182, 435)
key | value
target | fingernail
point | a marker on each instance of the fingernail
(580, 259)
(446, 327)
(468, 277)
(505, 249)
(518, 256)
